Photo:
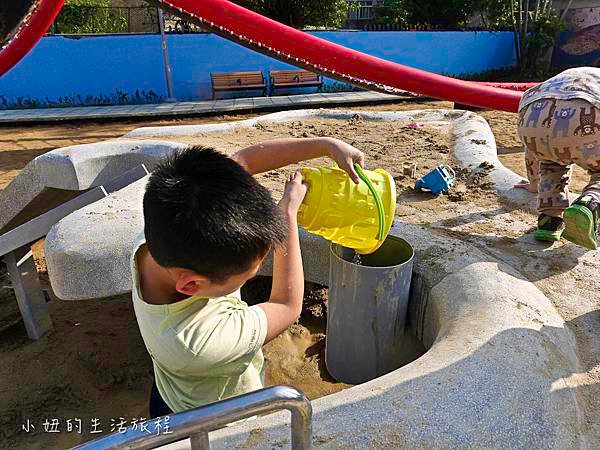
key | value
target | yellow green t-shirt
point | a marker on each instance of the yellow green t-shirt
(203, 350)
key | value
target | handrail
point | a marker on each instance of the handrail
(196, 423)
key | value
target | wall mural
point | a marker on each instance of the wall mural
(581, 44)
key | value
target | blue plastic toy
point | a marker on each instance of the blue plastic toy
(437, 181)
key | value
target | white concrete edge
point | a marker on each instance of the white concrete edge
(284, 116)
(80, 167)
(474, 139)
(474, 145)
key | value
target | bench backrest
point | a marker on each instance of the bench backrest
(233, 79)
(293, 76)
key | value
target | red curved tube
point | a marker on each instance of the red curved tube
(301, 49)
(31, 29)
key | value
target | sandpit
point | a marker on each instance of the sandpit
(475, 221)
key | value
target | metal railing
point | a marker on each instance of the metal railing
(81, 19)
(196, 423)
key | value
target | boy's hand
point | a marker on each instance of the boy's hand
(293, 194)
(345, 156)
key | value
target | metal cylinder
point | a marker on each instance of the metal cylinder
(367, 308)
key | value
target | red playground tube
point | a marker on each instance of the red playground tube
(39, 17)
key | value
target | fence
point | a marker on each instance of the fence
(421, 27)
(78, 19)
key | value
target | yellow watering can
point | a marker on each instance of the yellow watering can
(355, 216)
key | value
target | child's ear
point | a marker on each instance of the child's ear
(190, 283)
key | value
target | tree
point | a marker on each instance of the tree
(446, 13)
(301, 13)
(538, 28)
(392, 11)
(437, 13)
(90, 16)
(536, 25)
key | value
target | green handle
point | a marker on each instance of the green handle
(378, 201)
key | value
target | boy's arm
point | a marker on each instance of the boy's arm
(285, 304)
(277, 153)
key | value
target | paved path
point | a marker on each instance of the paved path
(193, 108)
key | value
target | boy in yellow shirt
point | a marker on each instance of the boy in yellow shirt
(208, 227)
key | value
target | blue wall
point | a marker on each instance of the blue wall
(99, 69)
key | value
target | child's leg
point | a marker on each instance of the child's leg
(553, 193)
(157, 405)
(553, 199)
(582, 219)
(532, 165)
(532, 135)
(593, 188)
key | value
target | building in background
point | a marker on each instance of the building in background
(360, 13)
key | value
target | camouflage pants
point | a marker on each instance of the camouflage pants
(556, 135)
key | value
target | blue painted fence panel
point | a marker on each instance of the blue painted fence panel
(129, 68)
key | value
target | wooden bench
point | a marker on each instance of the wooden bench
(238, 81)
(294, 79)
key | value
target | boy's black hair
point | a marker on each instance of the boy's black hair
(203, 212)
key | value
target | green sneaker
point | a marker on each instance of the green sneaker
(581, 220)
(549, 229)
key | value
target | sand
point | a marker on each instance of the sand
(298, 355)
(19, 145)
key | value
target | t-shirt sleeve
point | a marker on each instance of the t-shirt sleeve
(228, 342)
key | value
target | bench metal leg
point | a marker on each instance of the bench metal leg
(28, 291)
(200, 441)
